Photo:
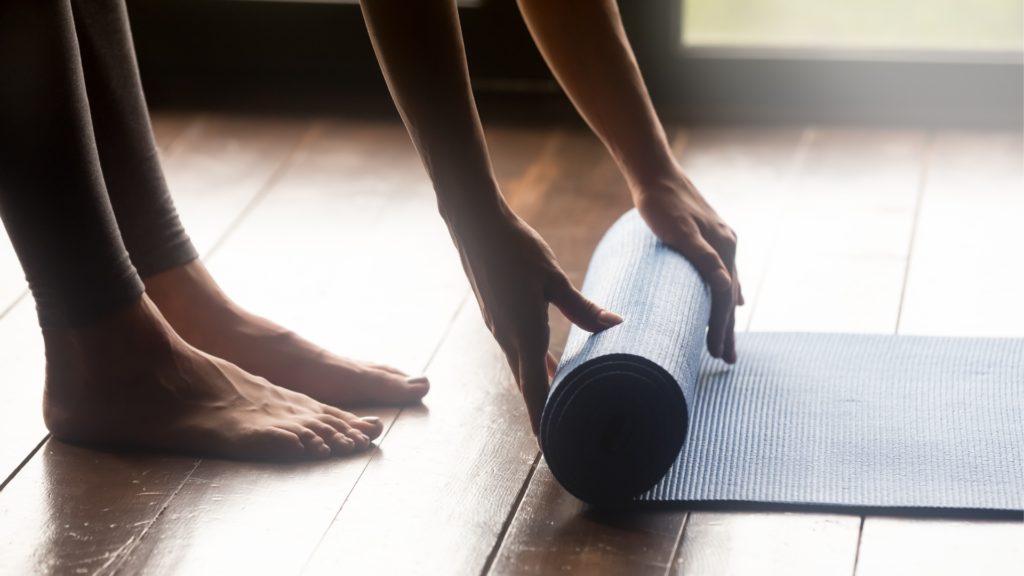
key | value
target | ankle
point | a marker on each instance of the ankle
(91, 355)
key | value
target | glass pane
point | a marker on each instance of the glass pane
(990, 25)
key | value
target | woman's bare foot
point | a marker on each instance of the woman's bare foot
(206, 318)
(130, 380)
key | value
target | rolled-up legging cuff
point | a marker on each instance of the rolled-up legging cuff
(76, 306)
(168, 256)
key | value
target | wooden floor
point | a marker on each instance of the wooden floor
(329, 226)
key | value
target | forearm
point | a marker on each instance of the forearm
(419, 47)
(585, 46)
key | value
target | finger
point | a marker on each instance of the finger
(534, 375)
(552, 364)
(706, 260)
(579, 310)
(721, 309)
(729, 349)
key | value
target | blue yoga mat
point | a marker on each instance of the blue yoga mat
(640, 413)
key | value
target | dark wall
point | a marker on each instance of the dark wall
(307, 55)
(317, 57)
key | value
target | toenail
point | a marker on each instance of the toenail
(418, 380)
(370, 419)
(365, 437)
(347, 440)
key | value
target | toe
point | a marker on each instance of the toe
(342, 425)
(371, 426)
(267, 444)
(398, 389)
(314, 445)
(335, 439)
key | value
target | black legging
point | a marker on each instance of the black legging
(82, 194)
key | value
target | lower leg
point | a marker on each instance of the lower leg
(116, 371)
(161, 251)
(206, 318)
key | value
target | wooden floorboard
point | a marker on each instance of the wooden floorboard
(839, 262)
(216, 168)
(966, 275)
(740, 543)
(453, 468)
(844, 181)
(21, 346)
(348, 241)
(915, 547)
(745, 173)
(964, 279)
(330, 227)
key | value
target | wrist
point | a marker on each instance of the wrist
(670, 180)
(471, 209)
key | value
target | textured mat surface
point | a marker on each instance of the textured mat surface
(641, 411)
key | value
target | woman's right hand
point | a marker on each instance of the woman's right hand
(515, 276)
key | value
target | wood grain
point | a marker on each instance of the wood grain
(968, 226)
(554, 533)
(744, 172)
(967, 271)
(840, 258)
(168, 129)
(843, 180)
(747, 175)
(435, 497)
(21, 388)
(215, 168)
(453, 468)
(583, 194)
(221, 164)
(347, 241)
(77, 511)
(21, 348)
(728, 543)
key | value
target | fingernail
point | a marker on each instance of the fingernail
(370, 419)
(609, 319)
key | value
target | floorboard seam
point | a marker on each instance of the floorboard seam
(922, 185)
(444, 336)
(24, 462)
(13, 304)
(677, 550)
(807, 137)
(493, 555)
(312, 133)
(860, 537)
(129, 547)
(195, 124)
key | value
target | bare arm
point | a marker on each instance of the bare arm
(586, 47)
(512, 271)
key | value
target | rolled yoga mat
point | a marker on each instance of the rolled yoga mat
(642, 413)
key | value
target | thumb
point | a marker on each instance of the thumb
(580, 311)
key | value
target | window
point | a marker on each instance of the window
(991, 30)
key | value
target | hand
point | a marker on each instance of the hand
(681, 218)
(514, 276)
